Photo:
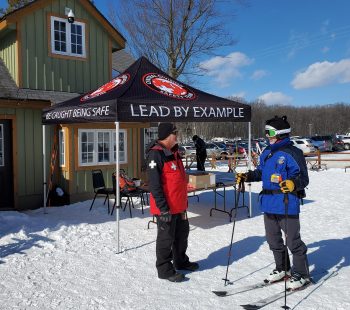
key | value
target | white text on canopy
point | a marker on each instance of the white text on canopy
(142, 110)
(78, 112)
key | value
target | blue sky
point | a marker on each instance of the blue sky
(288, 51)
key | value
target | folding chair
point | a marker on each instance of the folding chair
(129, 195)
(98, 183)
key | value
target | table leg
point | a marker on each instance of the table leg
(215, 203)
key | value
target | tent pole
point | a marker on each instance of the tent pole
(250, 165)
(117, 189)
(44, 168)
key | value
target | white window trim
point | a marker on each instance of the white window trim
(2, 163)
(68, 38)
(95, 151)
(62, 147)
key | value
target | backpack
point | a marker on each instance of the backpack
(125, 183)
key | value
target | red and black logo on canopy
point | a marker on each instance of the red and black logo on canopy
(116, 82)
(164, 85)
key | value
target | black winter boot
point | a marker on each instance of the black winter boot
(190, 266)
(176, 277)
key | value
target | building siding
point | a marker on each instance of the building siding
(29, 148)
(42, 71)
(79, 181)
(29, 157)
(8, 52)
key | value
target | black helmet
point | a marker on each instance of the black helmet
(277, 127)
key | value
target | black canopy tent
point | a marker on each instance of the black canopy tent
(143, 93)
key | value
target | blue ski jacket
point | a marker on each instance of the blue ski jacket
(278, 162)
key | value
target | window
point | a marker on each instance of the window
(103, 142)
(62, 148)
(122, 148)
(97, 147)
(2, 161)
(67, 39)
(150, 134)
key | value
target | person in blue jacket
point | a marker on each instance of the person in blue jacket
(283, 172)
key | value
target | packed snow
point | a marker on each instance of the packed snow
(67, 258)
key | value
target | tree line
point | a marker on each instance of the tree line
(305, 121)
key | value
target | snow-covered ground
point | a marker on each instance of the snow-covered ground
(66, 259)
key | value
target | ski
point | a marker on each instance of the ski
(268, 300)
(236, 290)
(229, 291)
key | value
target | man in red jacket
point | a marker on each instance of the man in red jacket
(168, 202)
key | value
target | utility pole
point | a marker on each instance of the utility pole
(310, 130)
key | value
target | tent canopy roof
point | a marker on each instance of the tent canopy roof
(144, 93)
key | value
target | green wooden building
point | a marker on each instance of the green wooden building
(45, 59)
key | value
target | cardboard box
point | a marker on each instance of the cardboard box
(206, 180)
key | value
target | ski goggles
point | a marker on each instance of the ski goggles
(273, 132)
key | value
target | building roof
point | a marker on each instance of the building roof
(9, 90)
(121, 60)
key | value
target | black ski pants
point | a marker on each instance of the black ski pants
(201, 161)
(171, 245)
(274, 225)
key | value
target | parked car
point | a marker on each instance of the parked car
(322, 143)
(232, 147)
(214, 149)
(244, 144)
(345, 140)
(305, 145)
(338, 144)
(220, 145)
(182, 151)
(187, 150)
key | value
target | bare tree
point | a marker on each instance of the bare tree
(173, 34)
(305, 121)
(13, 5)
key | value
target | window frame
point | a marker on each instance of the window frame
(95, 161)
(68, 53)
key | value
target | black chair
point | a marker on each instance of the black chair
(129, 195)
(98, 183)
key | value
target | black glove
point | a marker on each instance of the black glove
(164, 217)
(240, 178)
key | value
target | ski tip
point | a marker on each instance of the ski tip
(250, 307)
(220, 293)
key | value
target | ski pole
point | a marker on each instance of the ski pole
(286, 201)
(240, 188)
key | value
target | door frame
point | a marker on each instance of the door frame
(14, 156)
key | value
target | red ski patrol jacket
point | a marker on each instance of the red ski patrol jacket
(167, 180)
